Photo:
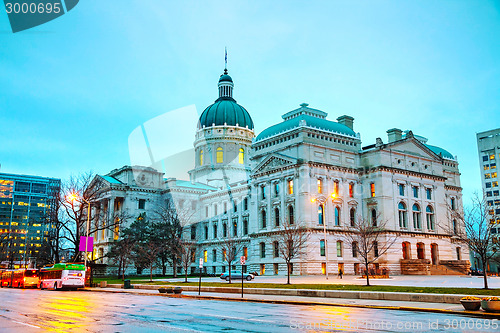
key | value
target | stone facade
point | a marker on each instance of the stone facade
(245, 186)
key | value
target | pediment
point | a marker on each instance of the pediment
(274, 162)
(415, 148)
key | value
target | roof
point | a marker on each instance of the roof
(225, 111)
(310, 121)
(438, 150)
(111, 180)
(225, 77)
(199, 186)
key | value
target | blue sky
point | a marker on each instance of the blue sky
(72, 90)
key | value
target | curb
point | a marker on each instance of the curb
(487, 315)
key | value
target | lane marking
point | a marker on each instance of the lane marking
(18, 322)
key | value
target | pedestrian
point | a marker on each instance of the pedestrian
(340, 273)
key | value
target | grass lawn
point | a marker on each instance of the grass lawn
(401, 289)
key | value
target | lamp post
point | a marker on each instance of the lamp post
(321, 199)
(72, 197)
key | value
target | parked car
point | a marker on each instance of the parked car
(236, 275)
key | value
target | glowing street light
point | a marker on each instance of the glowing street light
(74, 197)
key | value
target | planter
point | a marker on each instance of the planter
(177, 290)
(162, 290)
(490, 306)
(170, 290)
(471, 305)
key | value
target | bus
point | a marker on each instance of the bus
(62, 276)
(6, 278)
(23, 278)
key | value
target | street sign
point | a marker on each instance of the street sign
(242, 260)
(201, 262)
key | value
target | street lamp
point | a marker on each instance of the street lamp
(321, 199)
(72, 197)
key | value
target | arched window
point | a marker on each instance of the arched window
(201, 157)
(219, 155)
(276, 217)
(320, 214)
(420, 251)
(374, 217)
(337, 216)
(339, 249)
(290, 215)
(352, 216)
(417, 223)
(241, 156)
(406, 250)
(403, 219)
(263, 218)
(429, 214)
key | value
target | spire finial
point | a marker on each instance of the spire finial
(225, 60)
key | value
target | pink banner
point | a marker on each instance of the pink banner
(90, 243)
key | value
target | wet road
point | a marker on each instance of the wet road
(79, 311)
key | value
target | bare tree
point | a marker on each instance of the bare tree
(370, 239)
(121, 253)
(292, 239)
(473, 228)
(170, 221)
(187, 251)
(87, 189)
(230, 248)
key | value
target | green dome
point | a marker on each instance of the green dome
(438, 150)
(225, 110)
(225, 77)
(319, 123)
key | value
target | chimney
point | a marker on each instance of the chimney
(346, 120)
(394, 134)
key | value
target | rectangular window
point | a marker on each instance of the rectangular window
(488, 194)
(276, 189)
(495, 193)
(214, 255)
(245, 252)
(351, 190)
(320, 186)
(262, 192)
(275, 267)
(495, 184)
(276, 249)
(415, 191)
(492, 156)
(486, 167)
(205, 256)
(322, 247)
(401, 189)
(262, 250)
(245, 204)
(339, 249)
(142, 203)
(290, 186)
(372, 190)
(493, 166)
(485, 158)
(493, 175)
(487, 176)
(335, 189)
(488, 185)
(428, 193)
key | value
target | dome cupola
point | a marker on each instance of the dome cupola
(225, 111)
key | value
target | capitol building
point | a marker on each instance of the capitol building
(307, 170)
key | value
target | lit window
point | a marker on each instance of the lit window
(486, 176)
(351, 190)
(486, 167)
(205, 255)
(290, 186)
(220, 155)
(494, 175)
(495, 184)
(336, 188)
(372, 190)
(492, 156)
(320, 186)
(241, 156)
(201, 157)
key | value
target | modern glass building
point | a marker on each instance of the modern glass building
(25, 207)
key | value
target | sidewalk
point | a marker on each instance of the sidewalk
(301, 300)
